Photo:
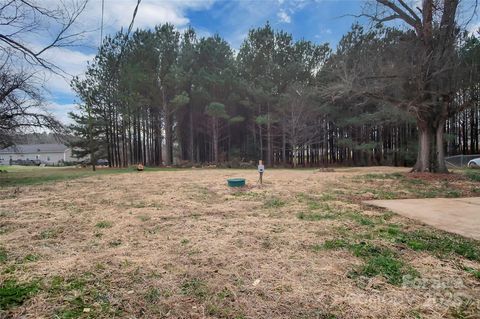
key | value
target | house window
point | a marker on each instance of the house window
(36, 156)
(48, 158)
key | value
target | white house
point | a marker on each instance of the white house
(46, 153)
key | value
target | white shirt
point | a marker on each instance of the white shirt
(261, 168)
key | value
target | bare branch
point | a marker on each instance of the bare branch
(406, 16)
(410, 10)
(28, 23)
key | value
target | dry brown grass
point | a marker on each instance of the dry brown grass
(184, 245)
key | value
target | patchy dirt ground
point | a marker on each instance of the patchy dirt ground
(183, 245)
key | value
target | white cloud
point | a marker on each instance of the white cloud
(60, 111)
(283, 16)
(72, 62)
(118, 14)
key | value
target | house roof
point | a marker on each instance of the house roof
(34, 148)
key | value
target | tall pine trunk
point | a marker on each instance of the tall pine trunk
(191, 141)
(215, 139)
(168, 140)
(284, 144)
(269, 137)
(168, 131)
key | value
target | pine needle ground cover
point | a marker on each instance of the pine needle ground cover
(182, 244)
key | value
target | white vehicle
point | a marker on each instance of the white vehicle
(474, 163)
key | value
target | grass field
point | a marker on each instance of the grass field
(30, 175)
(181, 244)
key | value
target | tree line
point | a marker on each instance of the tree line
(382, 96)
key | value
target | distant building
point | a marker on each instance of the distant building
(50, 154)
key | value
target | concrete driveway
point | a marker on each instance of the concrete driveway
(456, 215)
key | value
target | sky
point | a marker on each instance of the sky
(319, 21)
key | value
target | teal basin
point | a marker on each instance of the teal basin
(236, 182)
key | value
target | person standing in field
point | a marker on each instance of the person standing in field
(261, 169)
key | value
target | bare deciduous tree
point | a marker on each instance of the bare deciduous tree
(23, 61)
(436, 31)
(415, 70)
(21, 105)
(23, 20)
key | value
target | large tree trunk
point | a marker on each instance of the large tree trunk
(440, 166)
(423, 154)
(431, 151)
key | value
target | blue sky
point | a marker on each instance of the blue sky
(317, 20)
